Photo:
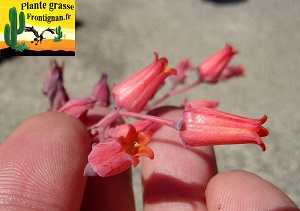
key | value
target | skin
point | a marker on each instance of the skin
(42, 161)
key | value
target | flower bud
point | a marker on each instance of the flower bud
(101, 92)
(53, 87)
(232, 71)
(200, 126)
(211, 68)
(181, 68)
(134, 92)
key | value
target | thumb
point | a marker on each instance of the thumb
(42, 162)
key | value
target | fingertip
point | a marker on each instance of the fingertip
(240, 190)
(176, 178)
(42, 162)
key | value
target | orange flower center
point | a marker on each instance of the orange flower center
(133, 148)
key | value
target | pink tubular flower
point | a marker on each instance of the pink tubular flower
(60, 98)
(232, 71)
(140, 126)
(55, 74)
(134, 92)
(113, 156)
(181, 69)
(101, 92)
(53, 87)
(200, 126)
(211, 68)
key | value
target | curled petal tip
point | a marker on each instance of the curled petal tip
(171, 71)
(235, 51)
(260, 143)
(262, 146)
(263, 119)
(263, 132)
(155, 56)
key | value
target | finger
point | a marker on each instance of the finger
(110, 193)
(239, 190)
(176, 178)
(42, 162)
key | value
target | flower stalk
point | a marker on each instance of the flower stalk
(116, 148)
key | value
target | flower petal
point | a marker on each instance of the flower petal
(146, 152)
(202, 115)
(207, 135)
(108, 158)
(145, 137)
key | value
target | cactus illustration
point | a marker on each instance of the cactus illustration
(11, 31)
(59, 34)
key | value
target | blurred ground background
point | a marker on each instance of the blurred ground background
(119, 37)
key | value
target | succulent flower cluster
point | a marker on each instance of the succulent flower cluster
(117, 147)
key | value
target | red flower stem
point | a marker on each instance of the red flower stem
(186, 88)
(167, 122)
(107, 120)
(174, 92)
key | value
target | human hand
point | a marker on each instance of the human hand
(42, 162)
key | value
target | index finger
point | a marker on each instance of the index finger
(177, 177)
